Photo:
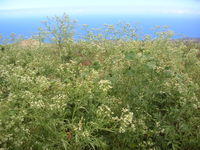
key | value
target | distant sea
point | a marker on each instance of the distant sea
(185, 25)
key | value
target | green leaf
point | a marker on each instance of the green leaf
(130, 55)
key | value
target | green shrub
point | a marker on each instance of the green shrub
(115, 93)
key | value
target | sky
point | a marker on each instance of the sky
(23, 8)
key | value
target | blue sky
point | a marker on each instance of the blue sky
(22, 8)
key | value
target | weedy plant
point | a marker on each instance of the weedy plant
(58, 30)
(108, 90)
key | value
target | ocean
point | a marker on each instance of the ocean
(185, 25)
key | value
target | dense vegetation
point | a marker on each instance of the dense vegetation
(105, 91)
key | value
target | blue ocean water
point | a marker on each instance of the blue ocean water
(185, 25)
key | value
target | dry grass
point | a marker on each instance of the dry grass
(29, 43)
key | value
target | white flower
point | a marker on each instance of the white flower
(126, 120)
(42, 82)
(122, 130)
(86, 134)
(37, 104)
(105, 85)
(104, 110)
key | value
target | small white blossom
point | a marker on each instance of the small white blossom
(105, 85)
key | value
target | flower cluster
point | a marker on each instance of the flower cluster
(105, 85)
(126, 121)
